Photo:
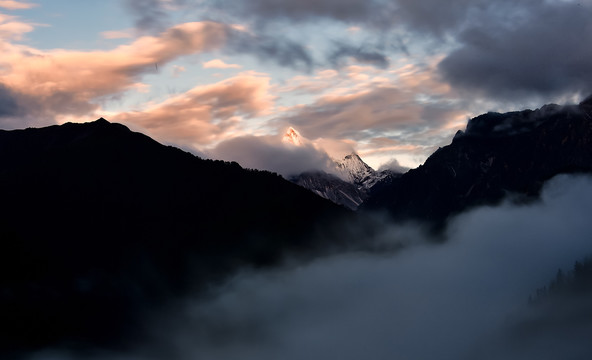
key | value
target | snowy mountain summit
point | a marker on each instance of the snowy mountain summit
(292, 137)
(355, 171)
(348, 183)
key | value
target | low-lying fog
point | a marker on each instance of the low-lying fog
(462, 299)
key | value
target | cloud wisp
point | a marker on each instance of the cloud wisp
(16, 5)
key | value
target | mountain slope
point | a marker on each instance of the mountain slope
(498, 154)
(350, 188)
(332, 188)
(357, 172)
(98, 223)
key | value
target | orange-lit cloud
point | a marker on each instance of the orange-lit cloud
(347, 116)
(12, 29)
(65, 82)
(16, 5)
(404, 112)
(117, 34)
(205, 114)
(219, 64)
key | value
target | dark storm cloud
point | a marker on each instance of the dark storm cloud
(266, 48)
(8, 102)
(350, 11)
(153, 16)
(430, 16)
(374, 57)
(543, 53)
(150, 15)
(505, 48)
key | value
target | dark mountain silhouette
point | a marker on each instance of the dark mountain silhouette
(99, 223)
(497, 155)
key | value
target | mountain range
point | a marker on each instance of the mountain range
(99, 224)
(496, 156)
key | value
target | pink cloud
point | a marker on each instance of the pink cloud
(12, 29)
(16, 5)
(348, 115)
(117, 34)
(205, 114)
(65, 82)
(219, 64)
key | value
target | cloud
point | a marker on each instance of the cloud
(408, 105)
(13, 29)
(372, 57)
(431, 17)
(393, 165)
(373, 12)
(427, 301)
(374, 109)
(204, 114)
(151, 15)
(8, 103)
(16, 5)
(64, 82)
(269, 153)
(457, 300)
(219, 64)
(284, 52)
(117, 34)
(177, 70)
(539, 54)
(501, 49)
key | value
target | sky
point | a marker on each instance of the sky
(392, 80)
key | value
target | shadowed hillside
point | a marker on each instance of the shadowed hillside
(497, 155)
(98, 223)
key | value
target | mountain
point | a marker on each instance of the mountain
(497, 154)
(99, 223)
(292, 137)
(349, 183)
(357, 172)
(332, 188)
(349, 187)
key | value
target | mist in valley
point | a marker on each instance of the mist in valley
(462, 298)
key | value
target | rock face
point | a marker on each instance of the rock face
(496, 155)
(332, 188)
(351, 185)
(355, 171)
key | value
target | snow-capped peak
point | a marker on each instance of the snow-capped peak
(292, 137)
(356, 171)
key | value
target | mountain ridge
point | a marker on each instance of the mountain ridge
(497, 154)
(99, 223)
